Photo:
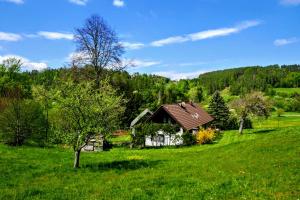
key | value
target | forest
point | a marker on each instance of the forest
(142, 91)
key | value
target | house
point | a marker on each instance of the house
(189, 117)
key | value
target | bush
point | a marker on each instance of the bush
(279, 112)
(206, 136)
(233, 123)
(189, 138)
(22, 120)
(248, 124)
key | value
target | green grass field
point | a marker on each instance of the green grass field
(287, 90)
(288, 119)
(264, 163)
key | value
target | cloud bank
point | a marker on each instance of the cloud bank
(27, 65)
(173, 75)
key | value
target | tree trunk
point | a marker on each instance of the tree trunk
(241, 126)
(76, 159)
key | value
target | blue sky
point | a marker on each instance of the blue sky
(177, 39)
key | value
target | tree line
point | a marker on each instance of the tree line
(246, 79)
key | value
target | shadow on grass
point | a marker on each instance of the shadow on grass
(122, 165)
(263, 131)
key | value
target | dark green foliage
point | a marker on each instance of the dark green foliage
(219, 110)
(189, 138)
(233, 123)
(246, 79)
(107, 145)
(22, 120)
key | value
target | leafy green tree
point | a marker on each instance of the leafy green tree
(87, 111)
(20, 121)
(43, 96)
(219, 110)
(195, 94)
(252, 104)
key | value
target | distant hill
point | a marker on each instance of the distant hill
(244, 79)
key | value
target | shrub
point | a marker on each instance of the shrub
(279, 112)
(189, 138)
(206, 136)
(233, 123)
(22, 120)
(248, 123)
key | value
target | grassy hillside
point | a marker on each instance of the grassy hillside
(262, 164)
(287, 90)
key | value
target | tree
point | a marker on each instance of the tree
(98, 46)
(21, 120)
(42, 95)
(279, 112)
(11, 80)
(219, 110)
(252, 104)
(87, 111)
(195, 94)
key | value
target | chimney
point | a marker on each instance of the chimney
(182, 104)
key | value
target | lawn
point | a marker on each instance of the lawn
(261, 164)
(287, 90)
(288, 119)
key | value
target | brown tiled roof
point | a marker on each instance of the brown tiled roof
(188, 115)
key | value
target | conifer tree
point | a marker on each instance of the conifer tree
(219, 110)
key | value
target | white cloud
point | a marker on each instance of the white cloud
(206, 34)
(285, 41)
(132, 46)
(12, 37)
(77, 58)
(173, 75)
(27, 65)
(118, 3)
(56, 35)
(141, 63)
(15, 1)
(290, 2)
(169, 40)
(79, 2)
(191, 64)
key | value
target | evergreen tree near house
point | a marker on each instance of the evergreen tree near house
(219, 110)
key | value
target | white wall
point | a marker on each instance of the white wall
(166, 139)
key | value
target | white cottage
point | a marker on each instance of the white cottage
(189, 117)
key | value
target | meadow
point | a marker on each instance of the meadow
(287, 90)
(264, 163)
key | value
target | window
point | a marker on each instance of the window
(160, 138)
